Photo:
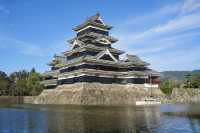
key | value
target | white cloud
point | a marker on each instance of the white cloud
(21, 47)
(190, 5)
(177, 25)
(176, 60)
(164, 39)
(157, 48)
(165, 48)
(159, 13)
(31, 49)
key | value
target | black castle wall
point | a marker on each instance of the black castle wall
(93, 30)
(104, 80)
(101, 67)
(92, 53)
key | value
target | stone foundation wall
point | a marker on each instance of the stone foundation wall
(94, 94)
(180, 95)
(7, 100)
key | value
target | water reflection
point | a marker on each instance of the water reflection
(79, 119)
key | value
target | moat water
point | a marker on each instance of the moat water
(180, 118)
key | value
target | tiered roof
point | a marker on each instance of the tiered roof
(96, 20)
(57, 60)
(93, 21)
(94, 59)
(136, 60)
(94, 47)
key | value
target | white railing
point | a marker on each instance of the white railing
(151, 85)
(49, 82)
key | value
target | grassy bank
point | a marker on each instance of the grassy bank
(6, 100)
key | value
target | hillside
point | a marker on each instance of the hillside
(177, 75)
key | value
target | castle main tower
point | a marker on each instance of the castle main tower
(93, 59)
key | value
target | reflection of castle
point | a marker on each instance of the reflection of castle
(93, 59)
(74, 119)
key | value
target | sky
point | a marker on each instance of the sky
(165, 33)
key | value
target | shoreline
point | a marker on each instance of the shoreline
(106, 95)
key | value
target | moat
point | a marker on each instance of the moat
(168, 118)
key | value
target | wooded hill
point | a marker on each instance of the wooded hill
(177, 75)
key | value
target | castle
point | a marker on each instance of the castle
(93, 59)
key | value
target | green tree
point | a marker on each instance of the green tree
(21, 83)
(167, 86)
(33, 83)
(196, 81)
(4, 84)
(26, 83)
(19, 79)
(188, 81)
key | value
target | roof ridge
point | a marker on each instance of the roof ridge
(96, 16)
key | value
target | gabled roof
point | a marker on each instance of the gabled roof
(96, 18)
(134, 59)
(102, 40)
(77, 42)
(95, 36)
(56, 60)
(106, 52)
(153, 73)
(94, 21)
(93, 48)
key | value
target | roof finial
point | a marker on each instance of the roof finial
(98, 13)
(55, 55)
